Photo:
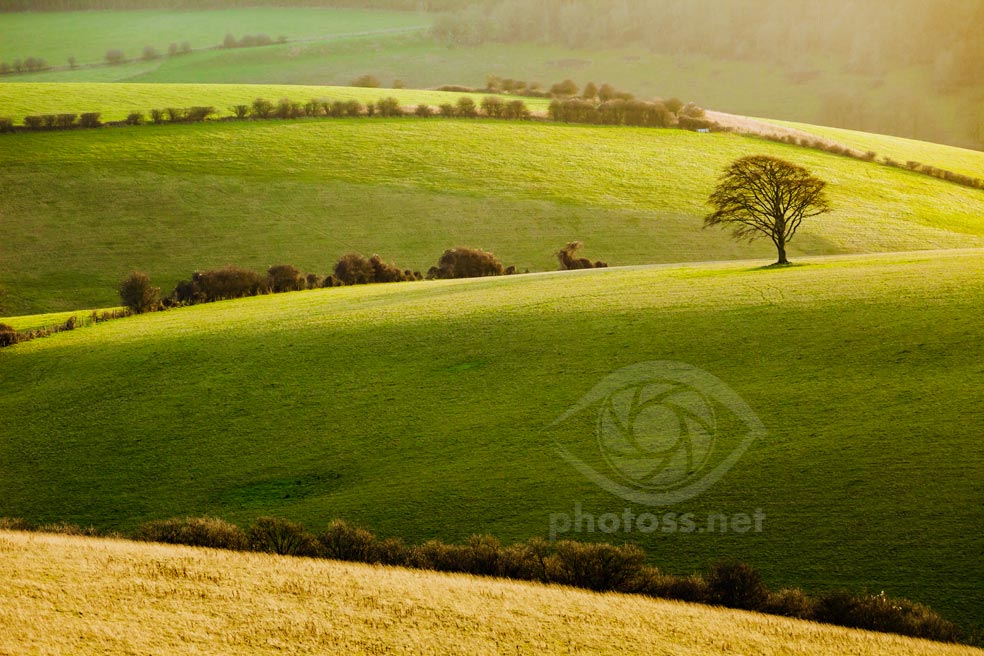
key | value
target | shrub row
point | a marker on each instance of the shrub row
(29, 65)
(251, 41)
(871, 156)
(10, 336)
(656, 114)
(593, 566)
(58, 121)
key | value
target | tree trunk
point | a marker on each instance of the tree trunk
(782, 253)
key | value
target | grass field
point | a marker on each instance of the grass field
(420, 410)
(115, 101)
(900, 102)
(82, 209)
(100, 596)
(56, 36)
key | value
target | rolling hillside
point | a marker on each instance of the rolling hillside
(81, 209)
(102, 596)
(421, 410)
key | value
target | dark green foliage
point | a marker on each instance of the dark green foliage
(195, 532)
(240, 111)
(790, 602)
(138, 294)
(6, 124)
(285, 278)
(199, 114)
(288, 108)
(423, 111)
(447, 110)
(219, 284)
(516, 110)
(736, 585)
(176, 114)
(314, 107)
(526, 560)
(353, 108)
(354, 269)
(279, 536)
(135, 118)
(158, 116)
(66, 120)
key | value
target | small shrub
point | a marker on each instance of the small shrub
(14, 524)
(424, 111)
(114, 57)
(240, 111)
(493, 107)
(134, 118)
(288, 108)
(261, 108)
(353, 108)
(226, 283)
(882, 613)
(516, 110)
(282, 537)
(446, 110)
(150, 53)
(194, 531)
(439, 557)
(158, 116)
(6, 124)
(285, 278)
(66, 120)
(8, 336)
(526, 560)
(568, 261)
(387, 107)
(466, 263)
(176, 114)
(33, 122)
(332, 281)
(367, 81)
(313, 108)
(342, 541)
(313, 281)
(199, 114)
(736, 585)
(138, 294)
(466, 108)
(383, 272)
(391, 551)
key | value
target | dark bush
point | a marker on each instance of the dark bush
(150, 53)
(383, 272)
(33, 122)
(115, 56)
(516, 110)
(282, 537)
(353, 108)
(342, 541)
(526, 560)
(466, 108)
(466, 263)
(457, 88)
(736, 585)
(176, 114)
(199, 114)
(387, 107)
(367, 81)
(370, 109)
(314, 107)
(595, 566)
(8, 336)
(568, 261)
(882, 613)
(313, 281)
(158, 116)
(483, 555)
(14, 524)
(138, 294)
(694, 124)
(354, 269)
(391, 551)
(564, 89)
(240, 111)
(440, 557)
(49, 121)
(288, 108)
(195, 532)
(262, 108)
(285, 278)
(134, 118)
(493, 107)
(221, 284)
(790, 602)
(332, 281)
(6, 124)
(424, 111)
(446, 110)
(66, 120)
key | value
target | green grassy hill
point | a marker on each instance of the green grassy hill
(422, 410)
(904, 101)
(82, 209)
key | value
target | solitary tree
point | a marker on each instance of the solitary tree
(761, 195)
(138, 294)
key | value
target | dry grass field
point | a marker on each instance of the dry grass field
(72, 595)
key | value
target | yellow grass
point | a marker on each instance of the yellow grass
(71, 595)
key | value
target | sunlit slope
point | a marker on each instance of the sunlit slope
(99, 596)
(958, 160)
(421, 410)
(83, 208)
(116, 101)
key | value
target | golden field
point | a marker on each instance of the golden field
(75, 595)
